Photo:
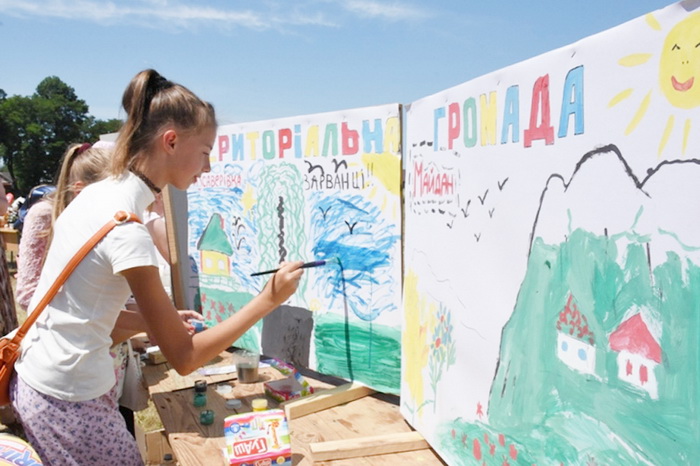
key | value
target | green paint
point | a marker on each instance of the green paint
(557, 415)
(217, 305)
(214, 237)
(442, 352)
(373, 355)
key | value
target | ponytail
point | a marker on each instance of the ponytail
(152, 102)
(80, 163)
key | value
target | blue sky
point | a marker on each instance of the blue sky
(266, 59)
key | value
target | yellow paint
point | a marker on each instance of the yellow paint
(386, 168)
(652, 22)
(620, 97)
(311, 148)
(392, 135)
(641, 111)
(686, 134)
(666, 134)
(414, 340)
(635, 59)
(252, 137)
(248, 199)
(215, 263)
(679, 67)
(314, 305)
(489, 119)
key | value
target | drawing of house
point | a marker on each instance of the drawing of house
(215, 249)
(639, 354)
(575, 341)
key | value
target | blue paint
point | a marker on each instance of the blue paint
(356, 232)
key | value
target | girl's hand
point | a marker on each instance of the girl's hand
(284, 282)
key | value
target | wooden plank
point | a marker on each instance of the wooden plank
(367, 446)
(325, 399)
(176, 256)
(162, 378)
(361, 418)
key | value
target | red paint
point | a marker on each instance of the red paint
(633, 335)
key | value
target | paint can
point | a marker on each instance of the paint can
(206, 417)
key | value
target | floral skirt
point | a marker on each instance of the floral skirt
(74, 433)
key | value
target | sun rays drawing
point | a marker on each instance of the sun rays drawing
(678, 79)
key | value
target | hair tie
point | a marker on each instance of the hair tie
(155, 84)
(83, 147)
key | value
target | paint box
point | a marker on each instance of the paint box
(259, 438)
(288, 388)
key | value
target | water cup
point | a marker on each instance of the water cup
(246, 365)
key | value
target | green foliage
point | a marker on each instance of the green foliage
(36, 130)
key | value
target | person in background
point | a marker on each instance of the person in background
(61, 390)
(8, 312)
(80, 166)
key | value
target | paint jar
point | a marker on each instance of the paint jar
(197, 324)
(199, 400)
(233, 403)
(200, 393)
(246, 365)
(259, 404)
(206, 417)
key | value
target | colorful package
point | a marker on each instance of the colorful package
(289, 388)
(258, 439)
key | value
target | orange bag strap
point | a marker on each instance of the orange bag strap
(119, 218)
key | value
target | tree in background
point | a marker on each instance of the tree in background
(35, 131)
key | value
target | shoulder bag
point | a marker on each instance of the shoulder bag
(10, 345)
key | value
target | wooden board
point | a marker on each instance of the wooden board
(351, 422)
(161, 378)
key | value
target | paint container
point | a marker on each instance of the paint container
(224, 389)
(259, 404)
(200, 386)
(247, 364)
(199, 400)
(206, 417)
(197, 324)
(233, 403)
(200, 393)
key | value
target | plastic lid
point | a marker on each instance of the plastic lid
(233, 403)
(259, 404)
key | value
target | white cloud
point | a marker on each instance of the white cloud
(156, 13)
(181, 14)
(392, 11)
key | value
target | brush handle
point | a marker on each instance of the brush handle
(303, 266)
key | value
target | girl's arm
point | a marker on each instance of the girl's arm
(186, 352)
(130, 322)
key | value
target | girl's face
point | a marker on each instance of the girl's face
(191, 156)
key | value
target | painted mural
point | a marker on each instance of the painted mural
(552, 255)
(314, 187)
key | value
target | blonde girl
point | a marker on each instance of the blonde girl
(61, 393)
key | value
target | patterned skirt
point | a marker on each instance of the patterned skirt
(74, 432)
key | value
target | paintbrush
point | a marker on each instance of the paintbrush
(307, 265)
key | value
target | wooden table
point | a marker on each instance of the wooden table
(195, 444)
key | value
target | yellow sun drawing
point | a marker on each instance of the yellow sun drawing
(679, 76)
(386, 168)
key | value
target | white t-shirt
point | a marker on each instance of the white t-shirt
(66, 352)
